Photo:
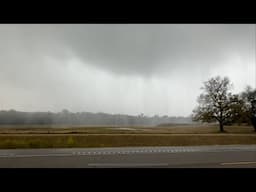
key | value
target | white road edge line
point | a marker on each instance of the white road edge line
(38, 155)
(239, 163)
(131, 164)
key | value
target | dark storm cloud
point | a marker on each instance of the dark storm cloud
(134, 49)
(143, 49)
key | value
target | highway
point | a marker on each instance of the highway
(229, 156)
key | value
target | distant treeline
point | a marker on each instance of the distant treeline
(12, 117)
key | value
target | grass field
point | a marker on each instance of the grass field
(46, 137)
(173, 129)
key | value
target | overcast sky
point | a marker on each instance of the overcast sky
(120, 68)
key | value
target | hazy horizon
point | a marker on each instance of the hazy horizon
(99, 112)
(155, 69)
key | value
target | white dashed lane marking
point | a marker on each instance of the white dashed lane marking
(134, 151)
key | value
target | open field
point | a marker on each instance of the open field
(173, 129)
(55, 137)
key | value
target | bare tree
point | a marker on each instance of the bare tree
(215, 103)
(249, 97)
(238, 112)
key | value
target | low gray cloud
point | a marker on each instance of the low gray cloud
(44, 61)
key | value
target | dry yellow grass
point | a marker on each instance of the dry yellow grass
(176, 129)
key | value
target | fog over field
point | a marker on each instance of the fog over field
(120, 68)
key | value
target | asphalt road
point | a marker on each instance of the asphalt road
(232, 156)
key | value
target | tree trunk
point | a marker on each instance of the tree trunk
(221, 127)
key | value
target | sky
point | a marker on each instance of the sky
(154, 69)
